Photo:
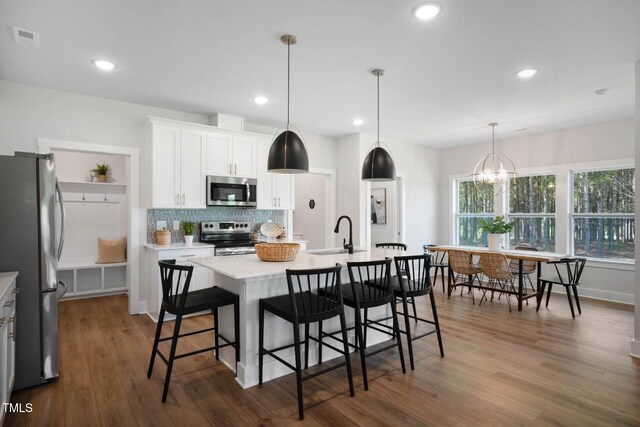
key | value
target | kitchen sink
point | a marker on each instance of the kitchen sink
(333, 251)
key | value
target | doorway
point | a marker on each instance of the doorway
(387, 212)
(314, 212)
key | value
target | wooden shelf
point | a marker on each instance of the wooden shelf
(78, 264)
(93, 187)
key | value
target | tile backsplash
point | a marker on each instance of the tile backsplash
(254, 217)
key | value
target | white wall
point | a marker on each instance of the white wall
(311, 223)
(555, 152)
(635, 343)
(381, 233)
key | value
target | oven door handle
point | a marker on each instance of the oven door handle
(248, 192)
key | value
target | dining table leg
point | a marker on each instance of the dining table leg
(449, 274)
(538, 274)
(520, 283)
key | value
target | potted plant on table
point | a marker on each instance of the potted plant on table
(101, 171)
(496, 229)
(188, 227)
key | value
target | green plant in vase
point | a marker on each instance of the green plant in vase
(101, 171)
(496, 228)
(188, 227)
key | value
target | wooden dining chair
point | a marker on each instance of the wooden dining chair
(463, 271)
(496, 268)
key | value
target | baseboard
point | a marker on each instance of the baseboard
(635, 348)
(599, 294)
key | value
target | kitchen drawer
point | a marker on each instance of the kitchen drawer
(184, 255)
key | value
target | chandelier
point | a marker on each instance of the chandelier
(494, 168)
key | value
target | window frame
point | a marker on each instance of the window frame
(456, 207)
(573, 215)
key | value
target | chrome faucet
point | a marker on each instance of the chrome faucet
(347, 246)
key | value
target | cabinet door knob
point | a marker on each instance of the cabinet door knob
(178, 199)
(235, 169)
(183, 198)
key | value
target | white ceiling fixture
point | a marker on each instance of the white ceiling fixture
(358, 122)
(260, 100)
(104, 65)
(26, 37)
(427, 11)
(527, 73)
(494, 168)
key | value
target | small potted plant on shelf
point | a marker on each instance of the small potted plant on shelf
(496, 229)
(101, 172)
(188, 227)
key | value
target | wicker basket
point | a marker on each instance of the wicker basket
(277, 252)
(163, 237)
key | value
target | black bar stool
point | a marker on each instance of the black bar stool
(415, 282)
(177, 300)
(314, 296)
(370, 287)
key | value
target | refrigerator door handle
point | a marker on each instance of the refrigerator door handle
(62, 289)
(63, 219)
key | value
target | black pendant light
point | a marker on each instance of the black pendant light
(378, 165)
(287, 153)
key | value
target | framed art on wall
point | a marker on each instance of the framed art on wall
(378, 206)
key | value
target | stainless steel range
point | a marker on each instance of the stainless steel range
(229, 238)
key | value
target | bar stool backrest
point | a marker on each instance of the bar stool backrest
(321, 290)
(175, 281)
(396, 246)
(496, 266)
(371, 279)
(461, 262)
(528, 266)
(416, 275)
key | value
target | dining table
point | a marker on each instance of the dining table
(516, 254)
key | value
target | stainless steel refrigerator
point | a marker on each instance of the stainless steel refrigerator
(31, 246)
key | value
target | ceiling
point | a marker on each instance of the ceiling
(445, 79)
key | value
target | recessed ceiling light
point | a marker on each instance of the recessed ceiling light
(103, 64)
(260, 100)
(527, 73)
(427, 11)
(358, 122)
(600, 92)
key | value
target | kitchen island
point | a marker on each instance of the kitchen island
(252, 280)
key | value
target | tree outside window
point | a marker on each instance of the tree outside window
(475, 201)
(604, 214)
(532, 208)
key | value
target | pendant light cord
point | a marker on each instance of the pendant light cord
(288, 79)
(378, 109)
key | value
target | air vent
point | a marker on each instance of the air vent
(26, 37)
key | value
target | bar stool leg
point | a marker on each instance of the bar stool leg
(407, 325)
(347, 358)
(320, 342)
(155, 342)
(172, 355)
(260, 340)
(396, 329)
(296, 343)
(216, 332)
(306, 346)
(415, 313)
(434, 309)
(361, 343)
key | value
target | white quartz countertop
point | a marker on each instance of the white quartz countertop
(249, 266)
(5, 280)
(173, 246)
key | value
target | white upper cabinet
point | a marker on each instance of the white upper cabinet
(231, 155)
(275, 190)
(192, 166)
(177, 168)
(164, 179)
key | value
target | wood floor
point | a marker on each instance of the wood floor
(500, 368)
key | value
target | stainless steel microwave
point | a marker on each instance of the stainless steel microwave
(231, 191)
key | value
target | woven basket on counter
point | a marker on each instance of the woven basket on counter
(277, 252)
(163, 237)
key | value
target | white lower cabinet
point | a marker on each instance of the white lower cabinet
(7, 337)
(201, 278)
(275, 190)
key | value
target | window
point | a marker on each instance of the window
(603, 214)
(532, 208)
(473, 203)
